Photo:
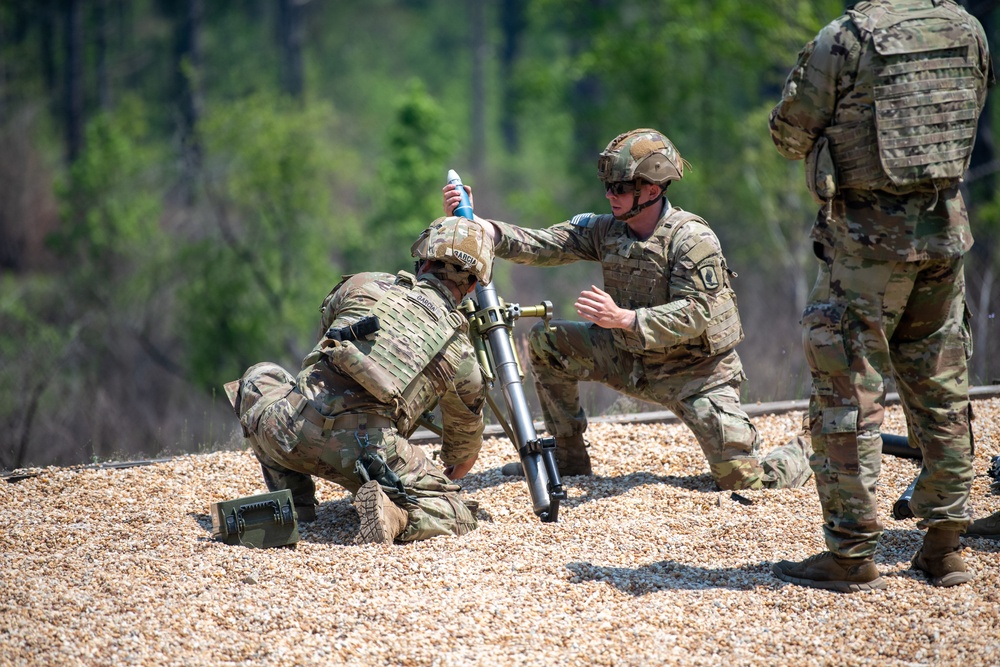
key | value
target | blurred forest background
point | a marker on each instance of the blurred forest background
(183, 181)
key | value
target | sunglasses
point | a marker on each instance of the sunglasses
(619, 187)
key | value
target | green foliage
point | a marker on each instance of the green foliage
(689, 69)
(410, 177)
(291, 194)
(255, 281)
(110, 202)
(26, 314)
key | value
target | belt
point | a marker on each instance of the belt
(346, 422)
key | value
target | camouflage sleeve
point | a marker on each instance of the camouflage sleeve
(462, 407)
(563, 243)
(985, 64)
(696, 276)
(352, 298)
(809, 98)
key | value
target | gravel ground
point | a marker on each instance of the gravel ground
(648, 565)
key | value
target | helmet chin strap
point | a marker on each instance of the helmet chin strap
(637, 208)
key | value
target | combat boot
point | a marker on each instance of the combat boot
(831, 572)
(940, 558)
(381, 520)
(571, 459)
(987, 527)
(305, 513)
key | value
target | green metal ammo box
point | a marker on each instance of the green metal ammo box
(267, 520)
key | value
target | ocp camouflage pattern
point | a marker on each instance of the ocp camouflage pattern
(680, 353)
(824, 94)
(867, 319)
(293, 448)
(662, 278)
(890, 295)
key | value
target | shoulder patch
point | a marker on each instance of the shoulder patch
(709, 274)
(585, 220)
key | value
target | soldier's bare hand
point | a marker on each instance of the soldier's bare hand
(597, 306)
(451, 201)
(452, 198)
(460, 470)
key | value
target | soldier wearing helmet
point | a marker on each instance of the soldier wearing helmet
(663, 329)
(392, 347)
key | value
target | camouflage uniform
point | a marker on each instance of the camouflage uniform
(326, 423)
(890, 237)
(680, 353)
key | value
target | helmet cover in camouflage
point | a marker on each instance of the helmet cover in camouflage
(457, 241)
(642, 154)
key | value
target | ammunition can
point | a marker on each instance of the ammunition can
(267, 520)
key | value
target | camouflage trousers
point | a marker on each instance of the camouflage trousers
(292, 449)
(575, 351)
(867, 319)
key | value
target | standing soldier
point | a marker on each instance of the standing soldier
(393, 347)
(665, 327)
(883, 106)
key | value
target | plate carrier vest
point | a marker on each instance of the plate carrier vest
(644, 282)
(921, 67)
(389, 364)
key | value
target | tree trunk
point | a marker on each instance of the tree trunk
(3, 71)
(981, 330)
(290, 41)
(480, 54)
(101, 19)
(188, 63)
(982, 170)
(587, 92)
(512, 26)
(74, 79)
(47, 47)
(980, 188)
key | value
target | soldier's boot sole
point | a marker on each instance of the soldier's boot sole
(380, 519)
(839, 586)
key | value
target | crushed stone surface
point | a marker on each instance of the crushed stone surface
(648, 564)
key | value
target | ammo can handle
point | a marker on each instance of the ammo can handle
(282, 515)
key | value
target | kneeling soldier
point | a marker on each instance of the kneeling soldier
(393, 347)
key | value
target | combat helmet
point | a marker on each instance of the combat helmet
(637, 157)
(642, 154)
(459, 242)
